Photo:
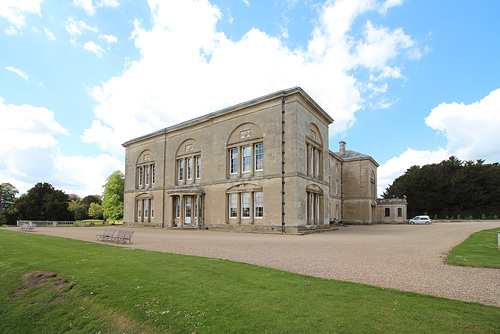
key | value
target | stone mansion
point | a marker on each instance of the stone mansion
(261, 165)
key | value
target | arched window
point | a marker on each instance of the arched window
(314, 152)
(245, 204)
(145, 170)
(245, 151)
(387, 212)
(145, 208)
(188, 162)
(314, 205)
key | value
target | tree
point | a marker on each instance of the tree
(450, 188)
(113, 196)
(43, 202)
(96, 211)
(8, 194)
(80, 207)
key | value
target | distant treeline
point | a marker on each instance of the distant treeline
(450, 188)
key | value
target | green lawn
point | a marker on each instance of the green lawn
(480, 250)
(120, 290)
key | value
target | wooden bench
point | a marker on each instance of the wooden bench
(107, 235)
(123, 237)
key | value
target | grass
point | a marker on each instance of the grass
(121, 290)
(480, 250)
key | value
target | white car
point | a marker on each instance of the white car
(420, 220)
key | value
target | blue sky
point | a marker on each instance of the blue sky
(407, 82)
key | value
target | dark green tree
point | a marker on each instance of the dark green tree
(112, 202)
(80, 207)
(8, 195)
(450, 188)
(43, 202)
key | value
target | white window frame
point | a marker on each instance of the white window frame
(258, 205)
(146, 175)
(233, 205)
(139, 209)
(233, 160)
(152, 207)
(146, 208)
(153, 174)
(259, 156)
(246, 159)
(189, 168)
(198, 167)
(245, 205)
(140, 176)
(180, 169)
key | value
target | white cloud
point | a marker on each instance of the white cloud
(108, 38)
(471, 131)
(14, 10)
(75, 28)
(184, 58)
(92, 47)
(29, 154)
(396, 166)
(49, 35)
(18, 72)
(86, 5)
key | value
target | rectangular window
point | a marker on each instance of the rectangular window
(195, 210)
(311, 158)
(259, 204)
(180, 168)
(400, 212)
(387, 212)
(189, 167)
(198, 166)
(152, 208)
(233, 160)
(147, 175)
(177, 207)
(139, 209)
(146, 209)
(140, 176)
(259, 156)
(247, 159)
(245, 205)
(153, 174)
(233, 205)
(336, 187)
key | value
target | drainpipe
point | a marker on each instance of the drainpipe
(283, 164)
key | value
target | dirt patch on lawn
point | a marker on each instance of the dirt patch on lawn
(37, 278)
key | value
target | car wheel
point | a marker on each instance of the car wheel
(426, 223)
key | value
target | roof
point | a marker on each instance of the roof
(349, 155)
(207, 117)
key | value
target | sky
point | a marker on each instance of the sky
(408, 82)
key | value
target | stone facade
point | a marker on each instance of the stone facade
(392, 211)
(262, 165)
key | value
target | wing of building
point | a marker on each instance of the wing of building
(262, 165)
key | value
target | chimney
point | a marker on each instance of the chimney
(342, 146)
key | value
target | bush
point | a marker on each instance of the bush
(435, 217)
(470, 218)
(484, 216)
(447, 217)
(459, 217)
(495, 217)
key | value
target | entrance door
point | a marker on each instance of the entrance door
(188, 211)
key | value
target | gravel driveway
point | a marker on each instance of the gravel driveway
(403, 257)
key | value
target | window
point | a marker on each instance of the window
(245, 205)
(336, 187)
(246, 159)
(189, 167)
(139, 209)
(233, 205)
(152, 208)
(180, 167)
(153, 175)
(140, 176)
(400, 212)
(387, 212)
(233, 160)
(177, 207)
(198, 166)
(259, 156)
(145, 208)
(259, 204)
(147, 175)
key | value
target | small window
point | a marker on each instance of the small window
(180, 164)
(140, 176)
(153, 176)
(245, 205)
(147, 175)
(400, 212)
(259, 156)
(387, 212)
(246, 159)
(233, 205)
(189, 167)
(152, 208)
(233, 157)
(198, 166)
(259, 204)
